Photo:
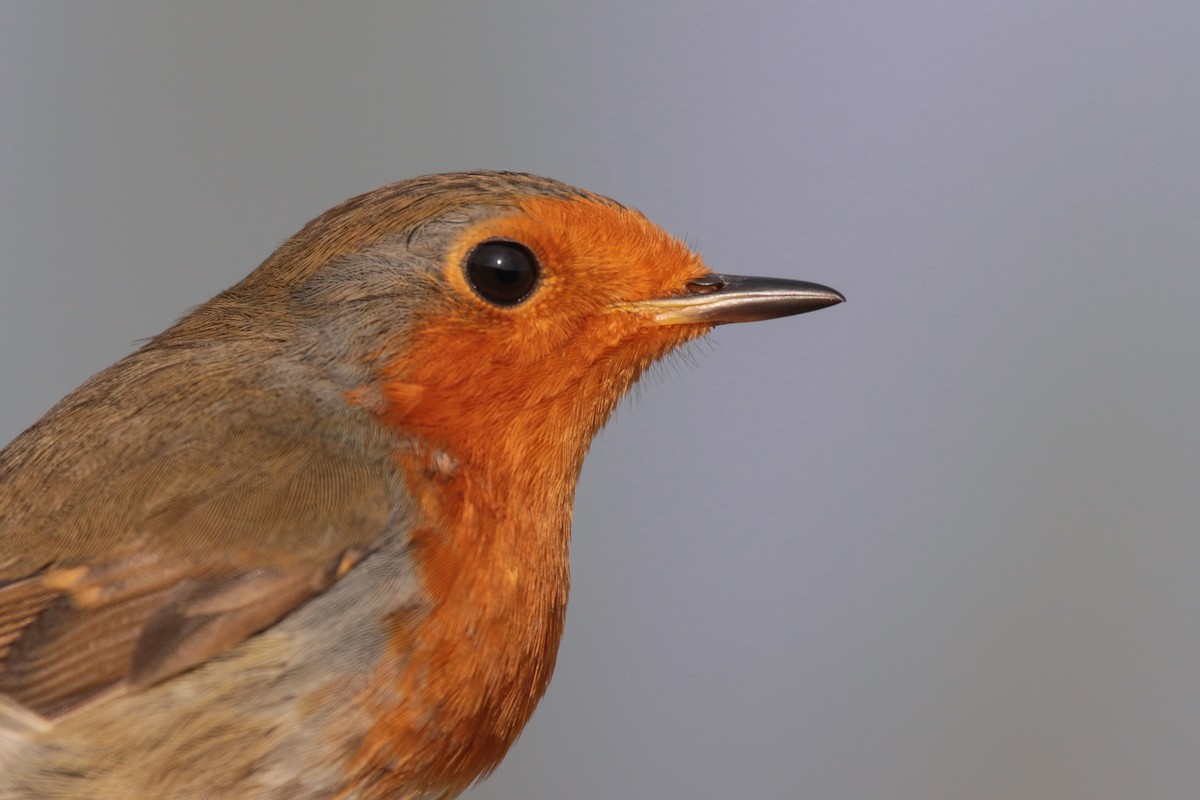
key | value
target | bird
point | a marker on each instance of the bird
(311, 541)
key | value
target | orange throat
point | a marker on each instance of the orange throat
(499, 408)
(472, 662)
(470, 665)
(492, 553)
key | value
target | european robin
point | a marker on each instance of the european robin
(311, 541)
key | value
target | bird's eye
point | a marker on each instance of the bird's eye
(501, 272)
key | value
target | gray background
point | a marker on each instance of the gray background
(939, 542)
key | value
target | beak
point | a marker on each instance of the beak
(717, 299)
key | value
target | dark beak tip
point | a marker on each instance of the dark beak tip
(754, 298)
(717, 299)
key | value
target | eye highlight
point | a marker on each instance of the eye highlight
(503, 273)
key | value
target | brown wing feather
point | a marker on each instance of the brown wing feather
(66, 655)
(21, 603)
(127, 558)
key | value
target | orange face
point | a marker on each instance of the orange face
(477, 376)
(505, 379)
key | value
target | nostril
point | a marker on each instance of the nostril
(706, 284)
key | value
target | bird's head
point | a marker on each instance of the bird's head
(498, 315)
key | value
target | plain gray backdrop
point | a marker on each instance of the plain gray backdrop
(938, 542)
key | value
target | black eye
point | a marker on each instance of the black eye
(504, 273)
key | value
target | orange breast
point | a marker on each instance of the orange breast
(465, 671)
(507, 402)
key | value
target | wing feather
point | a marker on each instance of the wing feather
(146, 561)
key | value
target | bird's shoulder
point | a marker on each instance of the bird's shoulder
(162, 513)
